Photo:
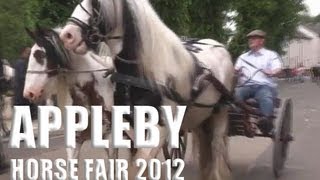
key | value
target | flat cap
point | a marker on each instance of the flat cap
(257, 32)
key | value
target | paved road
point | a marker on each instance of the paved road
(251, 158)
(303, 161)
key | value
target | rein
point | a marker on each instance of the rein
(67, 71)
(126, 60)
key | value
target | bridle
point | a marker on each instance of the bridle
(95, 31)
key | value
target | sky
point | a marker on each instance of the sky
(313, 6)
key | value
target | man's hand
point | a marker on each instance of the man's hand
(271, 73)
(268, 72)
(238, 72)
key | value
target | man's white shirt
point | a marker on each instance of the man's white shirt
(251, 62)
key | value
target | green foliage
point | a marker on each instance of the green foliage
(15, 15)
(193, 18)
(49, 13)
(278, 18)
(12, 22)
(208, 18)
(174, 14)
(305, 19)
(317, 19)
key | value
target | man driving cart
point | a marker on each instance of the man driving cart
(255, 70)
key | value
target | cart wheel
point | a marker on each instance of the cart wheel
(282, 136)
(176, 153)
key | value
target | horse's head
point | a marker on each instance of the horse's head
(90, 23)
(47, 57)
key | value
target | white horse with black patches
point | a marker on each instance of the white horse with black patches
(144, 47)
(75, 79)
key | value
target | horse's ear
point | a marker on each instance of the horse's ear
(42, 31)
(39, 29)
(30, 33)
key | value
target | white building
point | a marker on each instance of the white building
(305, 48)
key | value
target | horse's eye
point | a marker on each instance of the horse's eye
(94, 38)
(39, 56)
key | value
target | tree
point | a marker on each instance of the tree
(317, 18)
(278, 18)
(49, 13)
(174, 14)
(305, 19)
(15, 15)
(12, 22)
(208, 18)
(195, 18)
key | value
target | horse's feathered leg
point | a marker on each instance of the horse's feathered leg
(210, 141)
(147, 153)
(220, 158)
(201, 139)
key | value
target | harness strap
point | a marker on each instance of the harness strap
(226, 94)
(169, 92)
(226, 97)
(131, 81)
(79, 23)
(66, 71)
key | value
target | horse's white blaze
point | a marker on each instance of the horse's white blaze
(36, 82)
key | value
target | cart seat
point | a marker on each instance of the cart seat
(252, 102)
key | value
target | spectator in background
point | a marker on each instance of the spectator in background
(20, 75)
(4, 164)
(299, 72)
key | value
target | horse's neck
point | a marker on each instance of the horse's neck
(97, 89)
(63, 93)
(162, 54)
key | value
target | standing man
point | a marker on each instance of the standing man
(4, 164)
(258, 66)
(20, 75)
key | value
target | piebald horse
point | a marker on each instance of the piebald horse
(144, 48)
(75, 79)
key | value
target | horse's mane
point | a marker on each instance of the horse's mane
(161, 52)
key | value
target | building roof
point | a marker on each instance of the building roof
(314, 27)
(300, 35)
(304, 32)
